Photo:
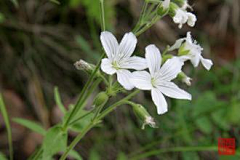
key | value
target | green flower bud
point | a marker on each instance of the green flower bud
(184, 78)
(172, 9)
(101, 99)
(143, 115)
(163, 8)
(182, 50)
(83, 65)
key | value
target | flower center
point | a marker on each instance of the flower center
(115, 65)
(153, 82)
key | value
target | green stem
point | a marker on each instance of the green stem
(95, 121)
(82, 98)
(81, 117)
(76, 140)
(102, 15)
(175, 149)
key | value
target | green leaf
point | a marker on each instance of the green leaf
(82, 123)
(54, 141)
(2, 156)
(8, 126)
(204, 125)
(219, 117)
(75, 155)
(58, 100)
(233, 115)
(30, 125)
(94, 155)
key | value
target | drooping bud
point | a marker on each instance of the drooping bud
(184, 78)
(164, 8)
(101, 99)
(143, 115)
(83, 65)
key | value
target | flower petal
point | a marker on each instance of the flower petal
(170, 69)
(207, 63)
(191, 19)
(137, 63)
(195, 59)
(107, 67)
(159, 100)
(172, 90)
(141, 80)
(123, 77)
(154, 59)
(127, 45)
(177, 44)
(109, 43)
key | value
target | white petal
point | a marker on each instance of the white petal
(137, 63)
(109, 43)
(159, 100)
(141, 80)
(207, 63)
(107, 67)
(127, 45)
(191, 19)
(170, 69)
(176, 45)
(195, 59)
(166, 4)
(154, 59)
(172, 90)
(123, 77)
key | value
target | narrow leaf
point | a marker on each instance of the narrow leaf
(7, 123)
(54, 141)
(58, 100)
(30, 125)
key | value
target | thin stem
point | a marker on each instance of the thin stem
(102, 15)
(175, 149)
(95, 121)
(82, 98)
(76, 140)
(81, 117)
(111, 108)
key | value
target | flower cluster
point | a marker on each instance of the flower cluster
(158, 78)
(155, 72)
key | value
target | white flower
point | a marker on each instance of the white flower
(159, 78)
(118, 57)
(194, 51)
(181, 17)
(149, 121)
(166, 4)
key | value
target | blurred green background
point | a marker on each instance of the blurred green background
(41, 39)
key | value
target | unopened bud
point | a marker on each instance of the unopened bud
(184, 78)
(164, 8)
(143, 115)
(101, 99)
(83, 65)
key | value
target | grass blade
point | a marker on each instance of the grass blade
(8, 127)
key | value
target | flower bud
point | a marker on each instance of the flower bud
(184, 78)
(164, 8)
(143, 115)
(83, 65)
(101, 99)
